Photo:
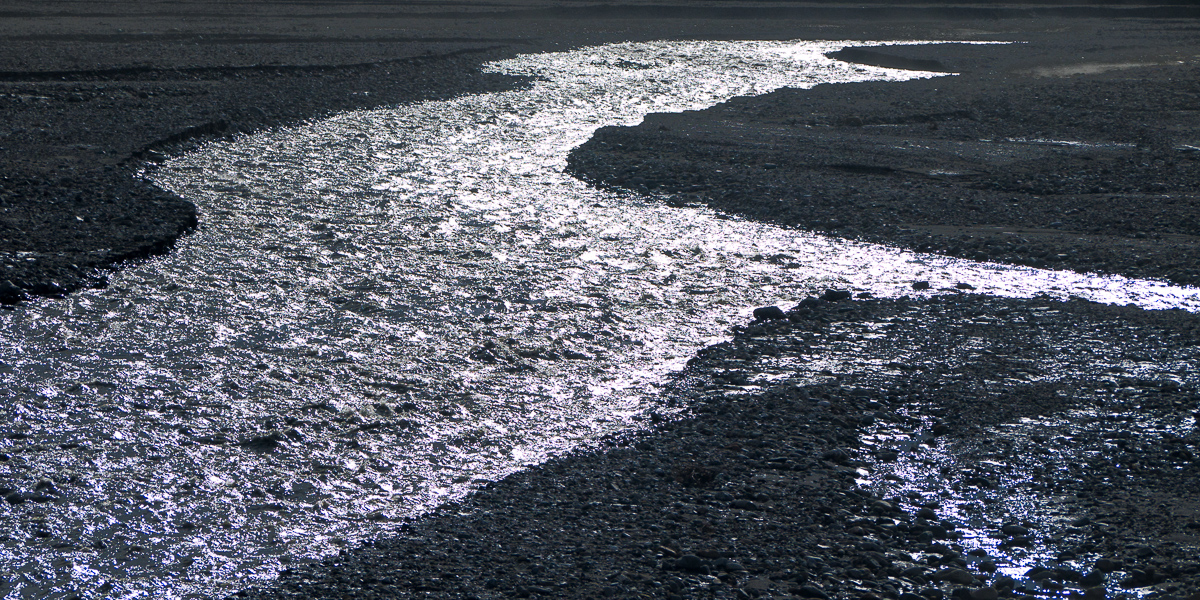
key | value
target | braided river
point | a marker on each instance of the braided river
(386, 309)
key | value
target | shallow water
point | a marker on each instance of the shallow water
(388, 307)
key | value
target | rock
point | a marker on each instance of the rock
(883, 507)
(836, 295)
(745, 505)
(812, 591)
(964, 286)
(1099, 593)
(14, 498)
(10, 294)
(263, 443)
(926, 513)
(1093, 578)
(910, 596)
(986, 593)
(758, 583)
(810, 302)
(953, 575)
(732, 566)
(1014, 530)
(1106, 565)
(836, 455)
(691, 562)
(768, 313)
(920, 285)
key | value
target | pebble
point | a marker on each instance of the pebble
(986, 593)
(960, 576)
(836, 295)
(812, 591)
(1012, 529)
(691, 562)
(263, 443)
(767, 313)
(920, 285)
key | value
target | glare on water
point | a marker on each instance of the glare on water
(387, 307)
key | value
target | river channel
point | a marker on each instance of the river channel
(387, 308)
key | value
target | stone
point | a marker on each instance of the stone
(768, 313)
(953, 575)
(758, 583)
(1106, 565)
(986, 593)
(745, 504)
(1012, 529)
(836, 455)
(263, 443)
(920, 285)
(10, 294)
(691, 562)
(812, 591)
(964, 286)
(732, 566)
(836, 295)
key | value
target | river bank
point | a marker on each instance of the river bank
(1035, 155)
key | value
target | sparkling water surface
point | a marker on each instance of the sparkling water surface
(386, 308)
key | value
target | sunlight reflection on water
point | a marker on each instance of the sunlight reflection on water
(387, 307)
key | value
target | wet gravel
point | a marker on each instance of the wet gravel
(1086, 162)
(770, 490)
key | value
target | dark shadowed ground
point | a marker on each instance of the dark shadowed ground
(1074, 149)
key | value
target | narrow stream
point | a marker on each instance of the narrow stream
(385, 309)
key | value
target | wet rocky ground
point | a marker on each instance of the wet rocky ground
(1033, 155)
(784, 482)
(852, 449)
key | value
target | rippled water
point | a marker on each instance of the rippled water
(385, 308)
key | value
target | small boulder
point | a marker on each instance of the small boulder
(836, 295)
(768, 313)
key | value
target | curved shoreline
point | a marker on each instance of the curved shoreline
(1091, 171)
(82, 222)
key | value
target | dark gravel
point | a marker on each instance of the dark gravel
(977, 166)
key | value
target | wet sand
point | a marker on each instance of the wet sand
(756, 495)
